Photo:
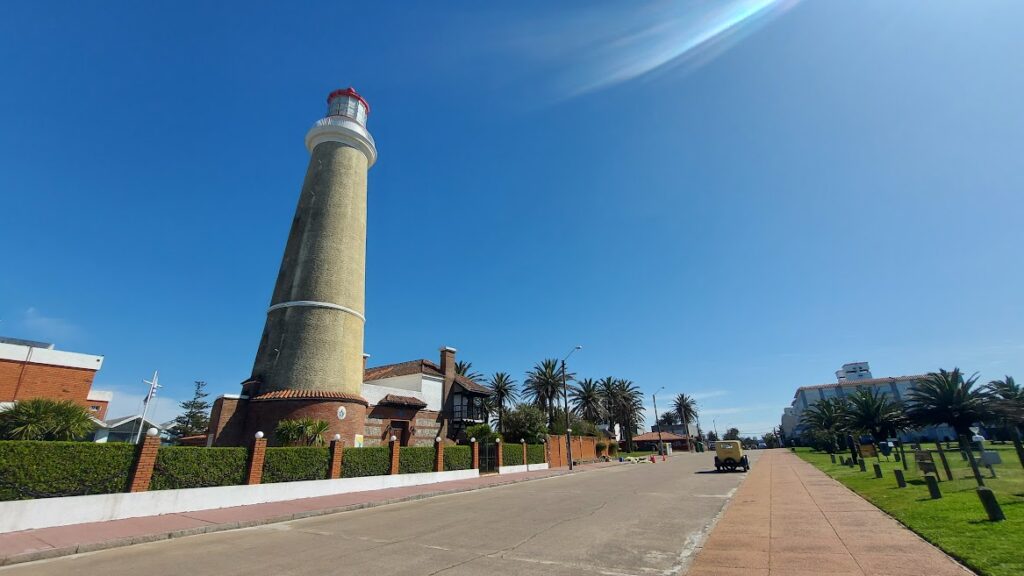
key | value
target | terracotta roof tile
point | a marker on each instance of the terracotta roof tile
(653, 437)
(309, 395)
(397, 400)
(420, 367)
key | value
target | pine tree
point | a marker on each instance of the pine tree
(196, 416)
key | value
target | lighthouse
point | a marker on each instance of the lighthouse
(310, 358)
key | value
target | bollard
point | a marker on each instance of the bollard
(878, 470)
(988, 500)
(896, 456)
(833, 457)
(863, 467)
(900, 481)
(933, 487)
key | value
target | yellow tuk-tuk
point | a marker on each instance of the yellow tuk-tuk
(729, 456)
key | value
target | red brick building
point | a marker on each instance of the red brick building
(36, 370)
(414, 401)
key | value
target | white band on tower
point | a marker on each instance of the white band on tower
(344, 130)
(315, 304)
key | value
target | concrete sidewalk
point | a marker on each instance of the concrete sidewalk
(30, 545)
(789, 518)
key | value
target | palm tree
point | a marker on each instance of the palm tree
(503, 394)
(586, 400)
(606, 388)
(828, 418)
(628, 409)
(1007, 400)
(301, 432)
(544, 384)
(686, 407)
(947, 398)
(45, 419)
(466, 369)
(870, 410)
(667, 420)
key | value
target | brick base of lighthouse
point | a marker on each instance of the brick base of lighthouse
(262, 414)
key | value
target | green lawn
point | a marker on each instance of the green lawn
(957, 523)
(639, 454)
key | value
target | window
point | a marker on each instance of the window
(94, 408)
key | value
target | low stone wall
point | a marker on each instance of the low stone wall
(44, 513)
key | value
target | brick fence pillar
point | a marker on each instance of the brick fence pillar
(497, 447)
(476, 454)
(145, 460)
(256, 456)
(337, 453)
(525, 461)
(396, 450)
(438, 455)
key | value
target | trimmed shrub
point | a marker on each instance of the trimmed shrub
(535, 453)
(458, 457)
(43, 469)
(369, 461)
(511, 454)
(414, 459)
(613, 448)
(600, 447)
(296, 463)
(198, 467)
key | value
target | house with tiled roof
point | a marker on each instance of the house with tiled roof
(414, 401)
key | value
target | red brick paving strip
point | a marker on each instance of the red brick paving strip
(790, 519)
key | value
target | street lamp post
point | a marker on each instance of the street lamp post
(661, 443)
(715, 426)
(565, 399)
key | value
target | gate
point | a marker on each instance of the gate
(488, 458)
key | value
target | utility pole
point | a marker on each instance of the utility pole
(657, 422)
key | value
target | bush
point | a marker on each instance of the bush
(47, 469)
(458, 457)
(482, 433)
(297, 463)
(535, 453)
(613, 448)
(198, 467)
(600, 447)
(370, 461)
(526, 422)
(415, 459)
(511, 454)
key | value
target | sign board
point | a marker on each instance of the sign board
(925, 462)
(868, 451)
(358, 443)
(990, 458)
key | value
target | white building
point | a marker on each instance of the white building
(848, 379)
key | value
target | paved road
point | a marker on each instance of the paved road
(633, 519)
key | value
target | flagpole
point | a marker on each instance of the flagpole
(153, 385)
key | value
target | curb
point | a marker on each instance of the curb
(51, 553)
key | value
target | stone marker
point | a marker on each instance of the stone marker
(900, 481)
(933, 487)
(988, 500)
(863, 466)
(878, 470)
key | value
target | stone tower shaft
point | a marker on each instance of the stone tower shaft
(313, 337)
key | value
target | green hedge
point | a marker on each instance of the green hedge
(198, 467)
(414, 459)
(458, 457)
(37, 469)
(534, 453)
(370, 461)
(296, 463)
(511, 454)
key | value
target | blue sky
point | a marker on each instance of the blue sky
(727, 199)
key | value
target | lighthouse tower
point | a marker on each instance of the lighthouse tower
(310, 358)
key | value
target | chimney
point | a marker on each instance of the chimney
(448, 370)
(365, 358)
(448, 362)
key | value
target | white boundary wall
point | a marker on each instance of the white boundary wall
(47, 512)
(521, 468)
